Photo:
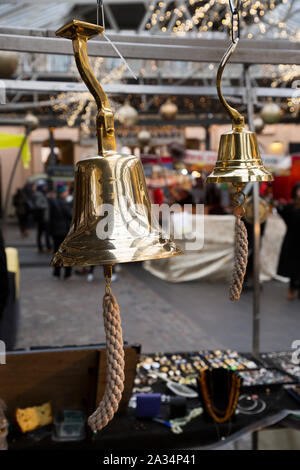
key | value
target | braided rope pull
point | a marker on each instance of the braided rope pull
(241, 249)
(114, 361)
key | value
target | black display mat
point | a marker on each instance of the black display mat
(128, 432)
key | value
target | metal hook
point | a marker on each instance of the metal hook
(238, 120)
(239, 209)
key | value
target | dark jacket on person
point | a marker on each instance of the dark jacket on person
(289, 261)
(4, 286)
(41, 207)
(20, 201)
(60, 216)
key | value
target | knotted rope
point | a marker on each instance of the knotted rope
(240, 260)
(240, 252)
(114, 363)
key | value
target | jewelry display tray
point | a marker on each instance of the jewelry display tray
(209, 358)
(270, 367)
(282, 361)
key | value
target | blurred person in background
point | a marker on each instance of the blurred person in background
(4, 286)
(41, 211)
(180, 195)
(289, 261)
(30, 189)
(198, 191)
(60, 216)
(214, 200)
(22, 208)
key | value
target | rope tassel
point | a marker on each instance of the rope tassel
(114, 363)
(240, 260)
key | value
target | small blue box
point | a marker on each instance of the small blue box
(147, 405)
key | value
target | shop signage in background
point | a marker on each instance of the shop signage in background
(64, 172)
(202, 157)
(275, 163)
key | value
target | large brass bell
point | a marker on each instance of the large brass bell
(115, 182)
(112, 220)
(239, 159)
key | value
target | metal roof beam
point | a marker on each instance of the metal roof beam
(255, 52)
(44, 87)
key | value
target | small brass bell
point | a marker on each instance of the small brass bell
(239, 162)
(110, 189)
(239, 159)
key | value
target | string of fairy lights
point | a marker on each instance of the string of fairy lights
(180, 17)
(202, 16)
(74, 106)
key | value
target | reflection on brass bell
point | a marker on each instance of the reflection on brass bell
(239, 159)
(112, 220)
(111, 193)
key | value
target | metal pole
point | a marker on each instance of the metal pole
(256, 269)
(256, 233)
(256, 246)
(12, 174)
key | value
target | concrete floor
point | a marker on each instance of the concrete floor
(158, 314)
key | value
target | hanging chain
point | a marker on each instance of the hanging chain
(108, 276)
(235, 20)
(238, 199)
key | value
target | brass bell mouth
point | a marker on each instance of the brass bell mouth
(239, 159)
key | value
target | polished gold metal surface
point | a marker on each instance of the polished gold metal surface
(80, 32)
(239, 159)
(117, 183)
(238, 121)
(112, 221)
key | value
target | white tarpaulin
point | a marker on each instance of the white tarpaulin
(214, 261)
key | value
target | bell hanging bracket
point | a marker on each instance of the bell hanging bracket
(80, 32)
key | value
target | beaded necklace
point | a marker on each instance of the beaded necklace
(220, 416)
